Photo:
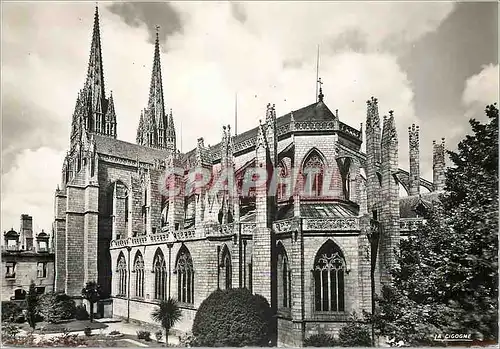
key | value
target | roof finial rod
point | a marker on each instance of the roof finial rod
(317, 73)
(236, 114)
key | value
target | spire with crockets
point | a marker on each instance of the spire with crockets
(93, 111)
(155, 126)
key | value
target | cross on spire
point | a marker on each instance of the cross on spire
(320, 95)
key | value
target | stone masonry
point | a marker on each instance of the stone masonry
(124, 214)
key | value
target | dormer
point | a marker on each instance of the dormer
(11, 240)
(42, 242)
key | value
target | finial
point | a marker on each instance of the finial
(260, 122)
(391, 112)
(320, 95)
(224, 127)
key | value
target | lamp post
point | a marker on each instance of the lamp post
(170, 243)
(373, 235)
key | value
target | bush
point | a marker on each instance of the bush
(81, 313)
(355, 334)
(55, 307)
(11, 311)
(187, 340)
(114, 333)
(9, 331)
(158, 335)
(146, 335)
(87, 331)
(320, 340)
(233, 317)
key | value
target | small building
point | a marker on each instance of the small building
(26, 259)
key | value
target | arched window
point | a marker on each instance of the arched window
(121, 269)
(160, 271)
(313, 174)
(226, 268)
(139, 275)
(329, 271)
(282, 186)
(284, 279)
(185, 276)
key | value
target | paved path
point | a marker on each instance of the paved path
(115, 325)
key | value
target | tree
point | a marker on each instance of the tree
(446, 277)
(55, 307)
(92, 293)
(32, 306)
(233, 317)
(167, 313)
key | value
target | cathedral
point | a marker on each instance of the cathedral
(315, 247)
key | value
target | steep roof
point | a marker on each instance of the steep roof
(126, 150)
(317, 111)
(408, 204)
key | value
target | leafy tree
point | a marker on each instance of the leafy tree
(233, 317)
(32, 306)
(354, 334)
(92, 293)
(167, 313)
(446, 279)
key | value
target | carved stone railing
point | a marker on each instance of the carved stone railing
(285, 225)
(216, 230)
(409, 224)
(248, 228)
(155, 238)
(330, 224)
(119, 243)
(138, 240)
(314, 125)
(283, 129)
(248, 143)
(185, 234)
(349, 130)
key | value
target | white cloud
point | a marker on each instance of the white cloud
(214, 57)
(480, 90)
(29, 188)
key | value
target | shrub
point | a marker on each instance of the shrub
(11, 311)
(159, 335)
(187, 340)
(55, 307)
(81, 313)
(114, 333)
(87, 331)
(146, 335)
(233, 317)
(320, 340)
(9, 331)
(355, 334)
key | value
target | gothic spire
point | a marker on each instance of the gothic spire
(155, 119)
(95, 75)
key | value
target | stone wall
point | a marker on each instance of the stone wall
(26, 271)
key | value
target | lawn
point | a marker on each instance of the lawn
(67, 325)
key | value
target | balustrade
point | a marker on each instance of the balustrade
(327, 224)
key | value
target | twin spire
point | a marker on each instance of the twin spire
(156, 128)
(96, 114)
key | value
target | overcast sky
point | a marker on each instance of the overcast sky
(434, 64)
